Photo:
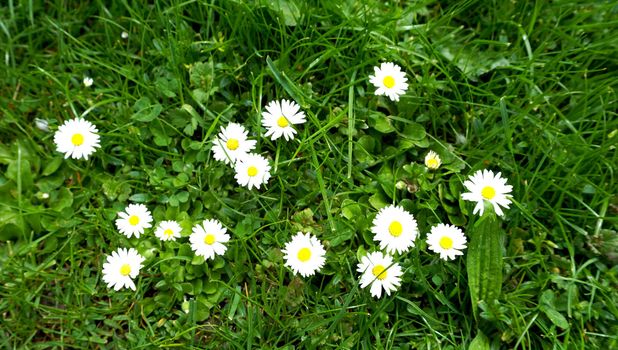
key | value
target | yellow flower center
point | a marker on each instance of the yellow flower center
(395, 229)
(252, 171)
(432, 163)
(379, 272)
(168, 232)
(125, 269)
(209, 239)
(389, 81)
(282, 122)
(77, 139)
(232, 144)
(133, 220)
(488, 192)
(446, 242)
(304, 254)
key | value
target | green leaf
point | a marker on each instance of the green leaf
(485, 260)
(52, 166)
(555, 317)
(139, 197)
(480, 342)
(350, 209)
(288, 11)
(414, 131)
(288, 85)
(381, 123)
(377, 201)
(160, 137)
(64, 199)
(167, 86)
(144, 111)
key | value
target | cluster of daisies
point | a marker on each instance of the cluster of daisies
(233, 146)
(207, 239)
(395, 230)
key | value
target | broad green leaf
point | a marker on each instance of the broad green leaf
(139, 197)
(167, 86)
(480, 342)
(52, 166)
(485, 260)
(288, 11)
(145, 111)
(555, 317)
(350, 209)
(64, 199)
(381, 123)
(414, 131)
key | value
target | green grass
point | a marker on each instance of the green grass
(525, 88)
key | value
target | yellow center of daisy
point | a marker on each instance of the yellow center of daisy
(379, 272)
(133, 220)
(488, 192)
(304, 254)
(232, 144)
(77, 139)
(252, 171)
(168, 232)
(389, 81)
(395, 229)
(432, 163)
(446, 242)
(209, 239)
(125, 269)
(282, 122)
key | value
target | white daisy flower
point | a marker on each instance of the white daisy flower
(279, 118)
(124, 35)
(207, 239)
(485, 186)
(88, 81)
(121, 267)
(134, 220)
(168, 230)
(252, 170)
(232, 143)
(447, 240)
(389, 80)
(395, 229)
(304, 254)
(76, 138)
(379, 270)
(432, 160)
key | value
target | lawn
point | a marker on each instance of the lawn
(527, 89)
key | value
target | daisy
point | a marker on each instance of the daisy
(124, 35)
(88, 81)
(432, 160)
(232, 143)
(279, 118)
(389, 80)
(121, 267)
(485, 186)
(76, 138)
(207, 239)
(379, 270)
(304, 254)
(447, 240)
(395, 229)
(134, 220)
(168, 230)
(252, 170)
